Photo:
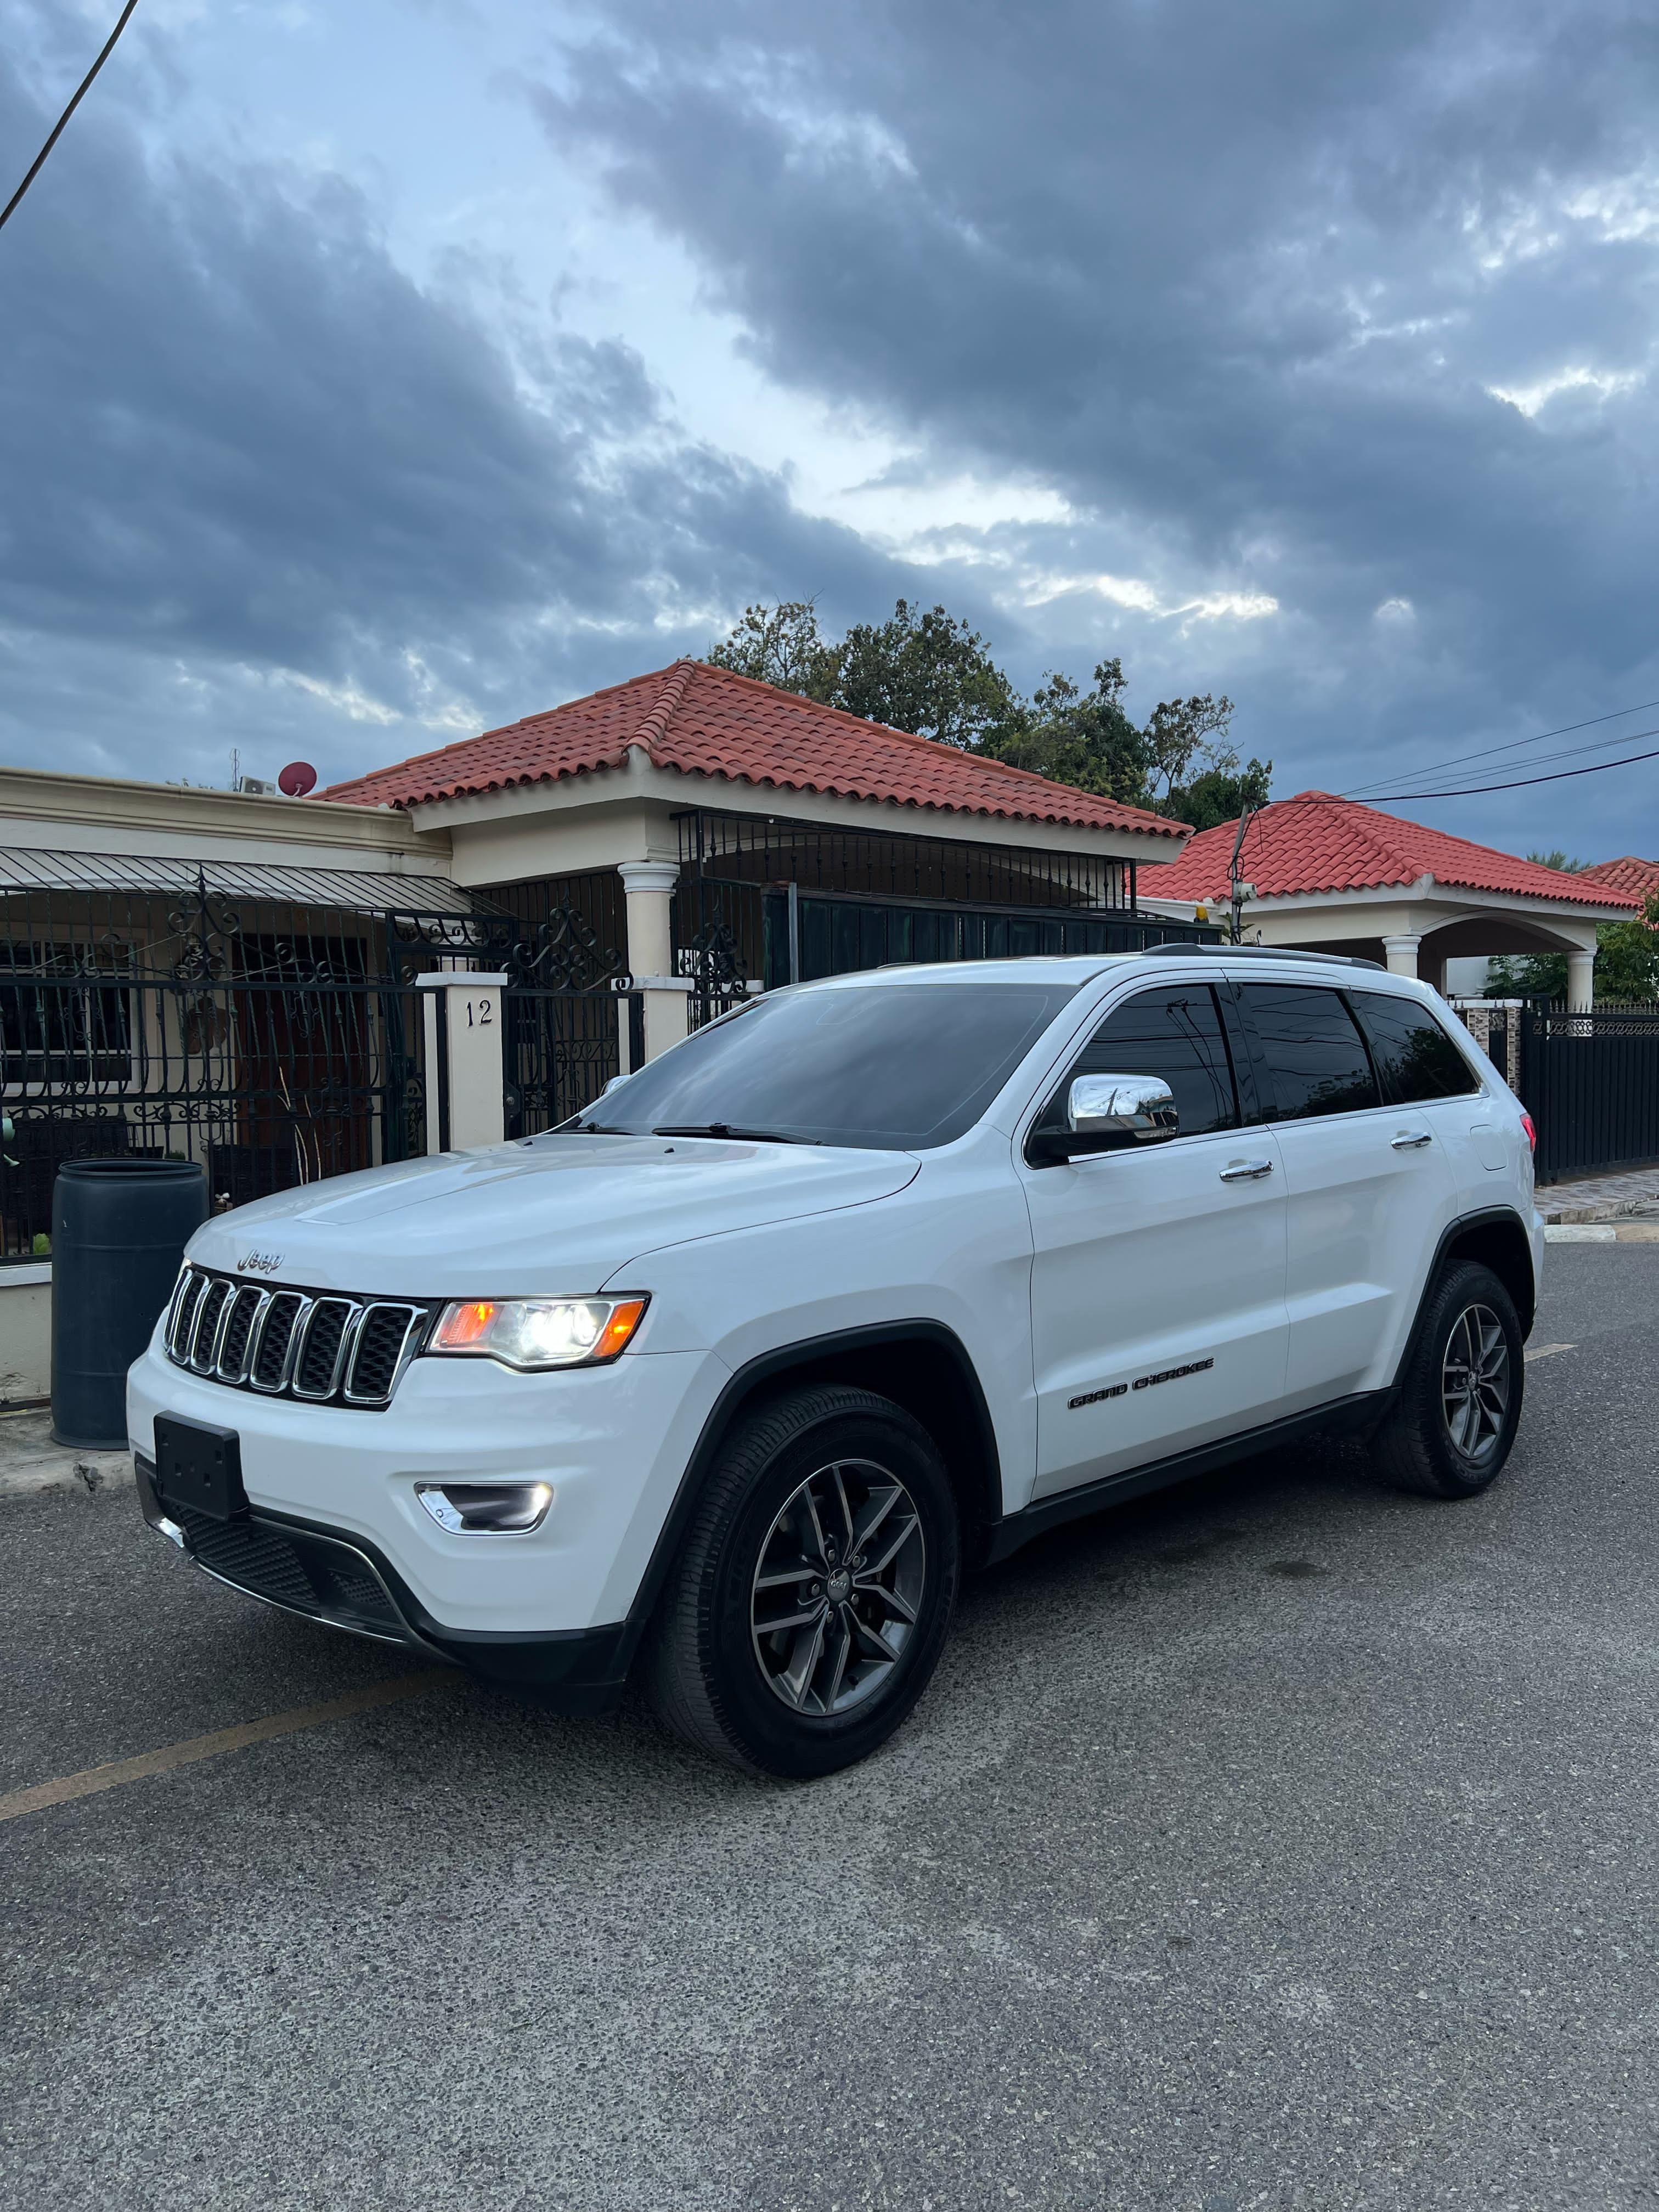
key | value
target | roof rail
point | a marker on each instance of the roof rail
(1269, 953)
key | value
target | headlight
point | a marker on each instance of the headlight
(529, 1333)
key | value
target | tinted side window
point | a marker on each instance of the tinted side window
(1316, 1058)
(1414, 1056)
(1175, 1033)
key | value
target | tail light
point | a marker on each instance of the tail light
(1532, 1134)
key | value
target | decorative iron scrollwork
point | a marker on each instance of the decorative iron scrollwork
(207, 926)
(715, 967)
(565, 954)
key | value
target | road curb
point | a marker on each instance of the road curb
(88, 1472)
(1602, 1232)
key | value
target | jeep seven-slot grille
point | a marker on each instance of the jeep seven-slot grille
(327, 1349)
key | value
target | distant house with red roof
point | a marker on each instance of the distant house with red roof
(1639, 878)
(1328, 874)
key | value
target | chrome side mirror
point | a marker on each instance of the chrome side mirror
(1105, 1114)
(1132, 1109)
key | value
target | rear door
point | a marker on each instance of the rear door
(1368, 1186)
(1419, 1065)
(1157, 1285)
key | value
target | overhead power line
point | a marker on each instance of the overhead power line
(40, 161)
(1513, 745)
(1560, 776)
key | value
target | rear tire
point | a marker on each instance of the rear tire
(1459, 1402)
(813, 1593)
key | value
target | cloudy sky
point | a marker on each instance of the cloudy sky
(372, 374)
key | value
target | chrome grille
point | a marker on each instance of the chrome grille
(237, 1333)
(325, 1348)
(269, 1369)
(204, 1336)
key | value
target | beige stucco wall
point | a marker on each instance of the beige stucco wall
(25, 1333)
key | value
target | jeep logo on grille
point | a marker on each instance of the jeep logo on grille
(259, 1263)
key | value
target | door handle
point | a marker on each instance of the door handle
(1411, 1140)
(1246, 1170)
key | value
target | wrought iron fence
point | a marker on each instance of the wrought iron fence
(1590, 1082)
(771, 902)
(274, 1044)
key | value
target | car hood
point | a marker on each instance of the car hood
(545, 1214)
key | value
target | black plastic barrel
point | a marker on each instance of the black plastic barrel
(118, 1231)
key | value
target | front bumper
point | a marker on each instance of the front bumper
(347, 1583)
(333, 1494)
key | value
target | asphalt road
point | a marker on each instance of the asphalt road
(1281, 1842)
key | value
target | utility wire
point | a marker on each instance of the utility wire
(1465, 791)
(58, 128)
(1512, 744)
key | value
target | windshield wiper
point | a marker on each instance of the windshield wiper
(728, 1129)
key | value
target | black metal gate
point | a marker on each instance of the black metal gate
(1591, 1084)
(571, 1018)
(273, 1047)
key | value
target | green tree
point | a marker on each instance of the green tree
(1221, 794)
(1627, 957)
(926, 670)
(783, 646)
(1083, 739)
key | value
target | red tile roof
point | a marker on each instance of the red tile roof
(1640, 878)
(707, 721)
(1315, 843)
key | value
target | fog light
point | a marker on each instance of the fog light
(501, 1508)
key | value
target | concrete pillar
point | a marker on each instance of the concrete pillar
(1580, 983)
(649, 885)
(465, 1062)
(1401, 954)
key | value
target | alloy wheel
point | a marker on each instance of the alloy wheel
(1474, 1381)
(838, 1587)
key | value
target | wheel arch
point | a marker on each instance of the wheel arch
(1497, 1239)
(921, 1365)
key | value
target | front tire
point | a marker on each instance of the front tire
(1459, 1402)
(812, 1595)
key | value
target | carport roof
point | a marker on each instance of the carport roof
(1316, 842)
(362, 890)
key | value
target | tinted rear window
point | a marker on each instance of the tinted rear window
(1315, 1057)
(1415, 1058)
(900, 1067)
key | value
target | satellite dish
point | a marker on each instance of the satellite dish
(296, 779)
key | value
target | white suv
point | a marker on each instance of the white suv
(725, 1382)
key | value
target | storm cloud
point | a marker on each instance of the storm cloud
(257, 479)
(1315, 344)
(1351, 310)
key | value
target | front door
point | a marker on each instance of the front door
(1157, 1284)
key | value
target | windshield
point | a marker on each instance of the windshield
(899, 1067)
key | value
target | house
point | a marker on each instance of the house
(1328, 874)
(772, 839)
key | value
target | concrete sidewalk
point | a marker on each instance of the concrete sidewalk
(30, 1462)
(1601, 1198)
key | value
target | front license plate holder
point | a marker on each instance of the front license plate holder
(199, 1467)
